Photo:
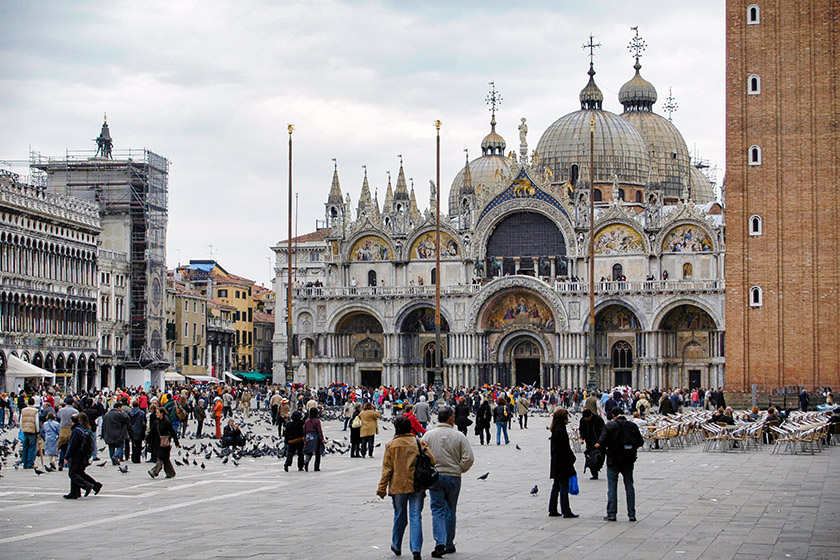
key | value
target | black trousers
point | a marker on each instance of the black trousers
(164, 463)
(367, 446)
(79, 479)
(291, 450)
(275, 413)
(136, 449)
(481, 434)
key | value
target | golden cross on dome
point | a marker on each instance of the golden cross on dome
(591, 46)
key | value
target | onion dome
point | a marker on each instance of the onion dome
(638, 94)
(493, 144)
(666, 147)
(619, 148)
(702, 191)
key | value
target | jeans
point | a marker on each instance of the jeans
(116, 452)
(2, 416)
(501, 427)
(561, 487)
(444, 500)
(612, 490)
(308, 457)
(408, 508)
(29, 450)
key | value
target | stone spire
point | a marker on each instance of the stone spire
(413, 209)
(376, 203)
(467, 187)
(389, 198)
(365, 202)
(335, 189)
(402, 188)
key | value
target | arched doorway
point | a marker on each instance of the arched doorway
(690, 343)
(417, 344)
(521, 239)
(617, 340)
(622, 363)
(526, 358)
(361, 343)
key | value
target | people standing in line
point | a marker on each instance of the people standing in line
(294, 440)
(314, 441)
(620, 439)
(462, 416)
(397, 480)
(166, 435)
(590, 429)
(421, 411)
(501, 416)
(370, 427)
(30, 426)
(483, 419)
(355, 432)
(453, 457)
(523, 405)
(562, 465)
(218, 407)
(199, 414)
(79, 450)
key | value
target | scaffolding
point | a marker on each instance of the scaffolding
(131, 184)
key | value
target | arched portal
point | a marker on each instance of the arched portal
(617, 342)
(521, 239)
(362, 344)
(689, 345)
(526, 358)
(417, 344)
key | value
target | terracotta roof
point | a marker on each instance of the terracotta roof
(260, 317)
(217, 304)
(317, 235)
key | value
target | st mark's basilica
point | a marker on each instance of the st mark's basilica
(514, 265)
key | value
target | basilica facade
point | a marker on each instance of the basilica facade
(514, 258)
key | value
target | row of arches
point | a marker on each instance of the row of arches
(58, 362)
(41, 315)
(26, 256)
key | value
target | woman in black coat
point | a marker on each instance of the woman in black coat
(562, 465)
(462, 416)
(483, 418)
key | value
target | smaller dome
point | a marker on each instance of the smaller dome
(493, 144)
(702, 191)
(591, 96)
(484, 172)
(638, 94)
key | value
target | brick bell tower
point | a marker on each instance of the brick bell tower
(782, 194)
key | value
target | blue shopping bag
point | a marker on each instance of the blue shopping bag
(574, 488)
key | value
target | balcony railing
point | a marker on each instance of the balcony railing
(569, 288)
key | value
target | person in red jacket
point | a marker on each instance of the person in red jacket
(217, 415)
(416, 428)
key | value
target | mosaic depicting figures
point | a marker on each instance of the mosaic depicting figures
(688, 318)
(371, 248)
(518, 308)
(618, 238)
(424, 246)
(616, 318)
(687, 239)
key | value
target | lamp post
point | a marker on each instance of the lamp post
(592, 381)
(438, 354)
(289, 371)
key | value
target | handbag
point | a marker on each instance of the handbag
(164, 441)
(574, 488)
(425, 473)
(356, 423)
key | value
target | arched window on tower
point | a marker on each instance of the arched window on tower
(372, 278)
(755, 155)
(434, 276)
(754, 85)
(753, 15)
(755, 225)
(596, 195)
(620, 194)
(756, 297)
(688, 271)
(617, 272)
(638, 196)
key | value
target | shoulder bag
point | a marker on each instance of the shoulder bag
(425, 473)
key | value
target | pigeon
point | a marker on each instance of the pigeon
(484, 476)
(518, 448)
(535, 490)
(123, 469)
(179, 463)
(225, 460)
(235, 464)
(38, 472)
(378, 444)
(195, 464)
(102, 464)
(202, 466)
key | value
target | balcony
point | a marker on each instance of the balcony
(641, 287)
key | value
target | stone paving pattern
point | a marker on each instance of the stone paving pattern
(690, 505)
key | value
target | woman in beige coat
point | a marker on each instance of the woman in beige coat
(370, 427)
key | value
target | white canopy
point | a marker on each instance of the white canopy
(202, 378)
(230, 375)
(173, 376)
(19, 368)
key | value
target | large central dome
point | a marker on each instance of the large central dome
(619, 148)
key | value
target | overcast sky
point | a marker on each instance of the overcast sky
(212, 85)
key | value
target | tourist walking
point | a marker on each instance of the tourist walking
(370, 427)
(590, 429)
(294, 440)
(453, 457)
(562, 467)
(355, 432)
(166, 434)
(313, 440)
(620, 439)
(501, 416)
(115, 430)
(421, 411)
(200, 414)
(30, 426)
(397, 480)
(79, 450)
(483, 419)
(462, 416)
(523, 405)
(138, 431)
(50, 431)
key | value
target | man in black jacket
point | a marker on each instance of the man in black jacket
(591, 428)
(620, 439)
(115, 429)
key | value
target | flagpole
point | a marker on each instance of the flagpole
(289, 371)
(592, 383)
(438, 353)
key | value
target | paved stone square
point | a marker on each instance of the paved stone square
(690, 504)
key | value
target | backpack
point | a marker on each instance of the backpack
(88, 444)
(179, 412)
(425, 473)
(627, 440)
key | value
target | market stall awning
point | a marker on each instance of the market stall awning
(19, 368)
(202, 378)
(173, 376)
(229, 375)
(253, 375)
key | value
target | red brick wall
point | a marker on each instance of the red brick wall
(794, 338)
